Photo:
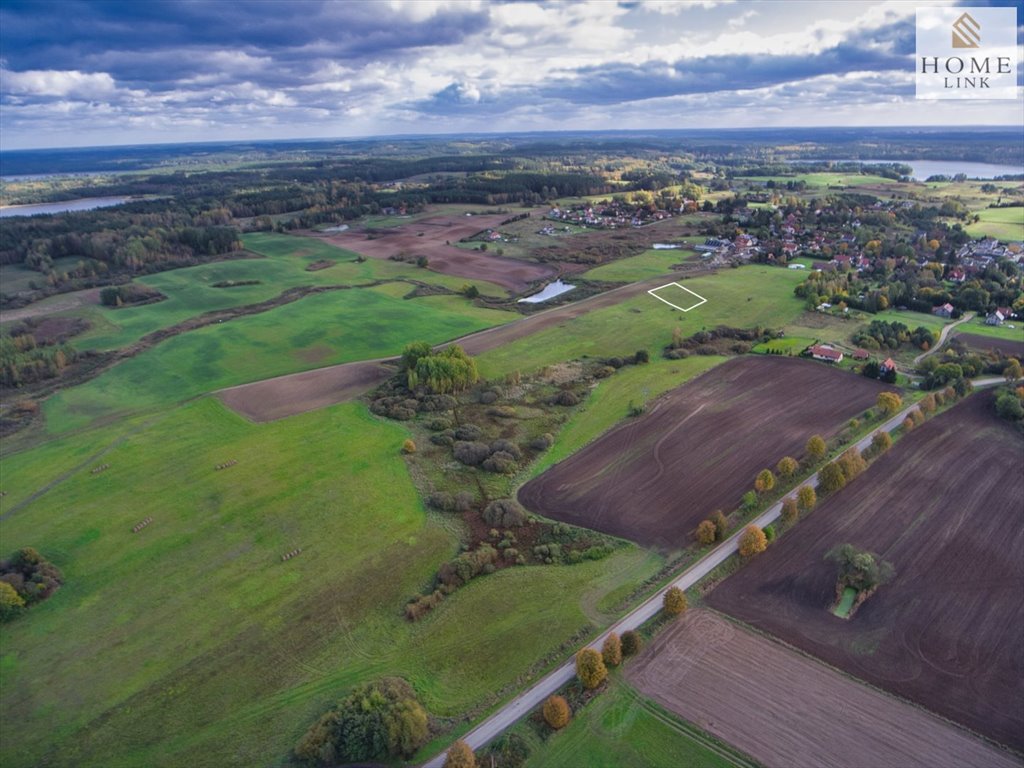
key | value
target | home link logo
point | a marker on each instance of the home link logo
(966, 32)
(955, 60)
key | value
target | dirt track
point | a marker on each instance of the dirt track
(784, 709)
(944, 507)
(431, 238)
(698, 449)
(297, 393)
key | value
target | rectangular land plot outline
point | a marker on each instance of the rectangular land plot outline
(701, 299)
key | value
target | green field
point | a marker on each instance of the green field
(648, 264)
(324, 329)
(621, 729)
(195, 628)
(823, 179)
(846, 603)
(978, 327)
(737, 297)
(1005, 224)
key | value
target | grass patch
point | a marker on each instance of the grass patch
(979, 327)
(788, 345)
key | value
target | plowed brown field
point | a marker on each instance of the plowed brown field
(946, 507)
(985, 343)
(698, 448)
(784, 709)
(431, 238)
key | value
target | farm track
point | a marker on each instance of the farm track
(725, 679)
(283, 396)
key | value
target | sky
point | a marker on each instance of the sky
(109, 72)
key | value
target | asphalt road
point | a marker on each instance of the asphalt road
(527, 701)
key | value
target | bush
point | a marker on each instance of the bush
(471, 454)
(408, 447)
(889, 402)
(502, 412)
(632, 643)
(438, 425)
(806, 499)
(831, 478)
(590, 668)
(852, 464)
(468, 432)
(790, 511)
(706, 533)
(460, 756)
(721, 525)
(556, 712)
(908, 424)
(31, 576)
(542, 442)
(769, 533)
(674, 601)
(504, 513)
(464, 501)
(500, 463)
(749, 500)
(566, 397)
(488, 397)
(881, 442)
(765, 481)
(642, 356)
(816, 448)
(442, 501)
(787, 466)
(11, 602)
(611, 650)
(752, 542)
(508, 447)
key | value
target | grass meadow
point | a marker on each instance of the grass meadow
(1006, 224)
(648, 264)
(738, 297)
(195, 627)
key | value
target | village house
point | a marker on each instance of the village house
(828, 354)
(946, 310)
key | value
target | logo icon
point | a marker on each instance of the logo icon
(966, 32)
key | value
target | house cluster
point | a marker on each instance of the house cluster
(999, 316)
(976, 256)
(718, 251)
(616, 214)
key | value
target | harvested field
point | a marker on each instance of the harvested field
(944, 507)
(284, 396)
(785, 709)
(1008, 347)
(698, 448)
(431, 238)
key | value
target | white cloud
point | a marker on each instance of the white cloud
(52, 82)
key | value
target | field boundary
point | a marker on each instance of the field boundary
(654, 293)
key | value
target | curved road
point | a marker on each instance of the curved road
(527, 701)
(943, 336)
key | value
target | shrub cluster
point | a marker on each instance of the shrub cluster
(376, 721)
(26, 578)
(722, 340)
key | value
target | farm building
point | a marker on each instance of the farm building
(995, 318)
(860, 354)
(828, 354)
(888, 365)
(946, 310)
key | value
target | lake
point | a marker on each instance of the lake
(82, 204)
(922, 169)
(556, 288)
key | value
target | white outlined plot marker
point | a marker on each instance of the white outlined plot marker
(684, 299)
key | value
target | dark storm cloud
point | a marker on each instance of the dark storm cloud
(158, 42)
